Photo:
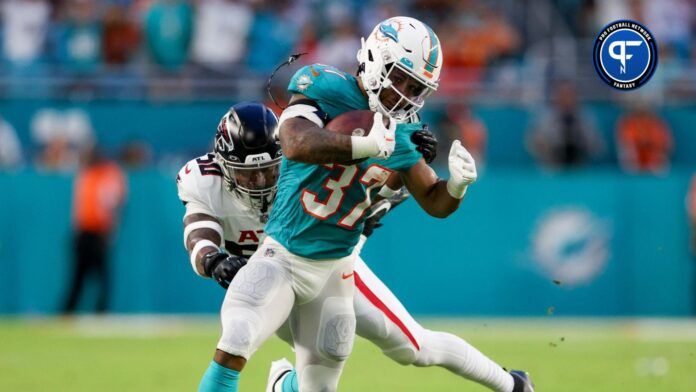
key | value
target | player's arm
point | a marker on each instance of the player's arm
(393, 192)
(304, 139)
(391, 187)
(426, 144)
(437, 197)
(202, 237)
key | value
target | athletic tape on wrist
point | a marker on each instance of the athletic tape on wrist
(197, 248)
(363, 147)
(456, 191)
(387, 192)
(206, 224)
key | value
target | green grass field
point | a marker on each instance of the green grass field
(170, 354)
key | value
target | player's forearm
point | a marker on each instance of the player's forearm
(390, 188)
(438, 202)
(303, 141)
(206, 244)
(202, 235)
(430, 192)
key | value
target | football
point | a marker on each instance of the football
(353, 123)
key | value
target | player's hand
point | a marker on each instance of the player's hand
(383, 136)
(426, 143)
(379, 142)
(379, 209)
(462, 170)
(222, 267)
(375, 214)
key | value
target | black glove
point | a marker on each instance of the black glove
(376, 212)
(426, 143)
(379, 209)
(222, 267)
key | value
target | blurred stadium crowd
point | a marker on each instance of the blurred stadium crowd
(518, 81)
(533, 54)
(134, 47)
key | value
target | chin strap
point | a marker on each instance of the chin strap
(289, 61)
(373, 102)
(264, 204)
(261, 203)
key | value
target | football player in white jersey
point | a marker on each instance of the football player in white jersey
(228, 194)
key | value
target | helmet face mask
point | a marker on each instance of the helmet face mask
(401, 94)
(256, 184)
(400, 64)
(249, 154)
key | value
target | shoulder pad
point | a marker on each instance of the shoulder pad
(198, 179)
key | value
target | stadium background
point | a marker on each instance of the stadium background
(541, 234)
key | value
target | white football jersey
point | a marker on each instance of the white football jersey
(203, 190)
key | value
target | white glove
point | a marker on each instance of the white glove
(462, 170)
(379, 143)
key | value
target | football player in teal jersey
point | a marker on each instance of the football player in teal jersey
(304, 268)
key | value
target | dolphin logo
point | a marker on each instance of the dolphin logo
(389, 31)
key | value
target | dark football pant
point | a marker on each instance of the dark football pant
(90, 255)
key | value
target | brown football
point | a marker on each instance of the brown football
(353, 123)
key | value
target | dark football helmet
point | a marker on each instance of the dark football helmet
(248, 152)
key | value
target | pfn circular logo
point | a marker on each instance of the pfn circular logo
(625, 54)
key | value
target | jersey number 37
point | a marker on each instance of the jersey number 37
(373, 177)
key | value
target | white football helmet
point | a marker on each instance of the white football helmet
(405, 44)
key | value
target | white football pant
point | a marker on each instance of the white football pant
(315, 297)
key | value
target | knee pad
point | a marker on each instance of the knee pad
(405, 354)
(336, 339)
(254, 283)
(239, 333)
(424, 357)
(337, 333)
(398, 346)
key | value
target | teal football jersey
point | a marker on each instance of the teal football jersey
(319, 210)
